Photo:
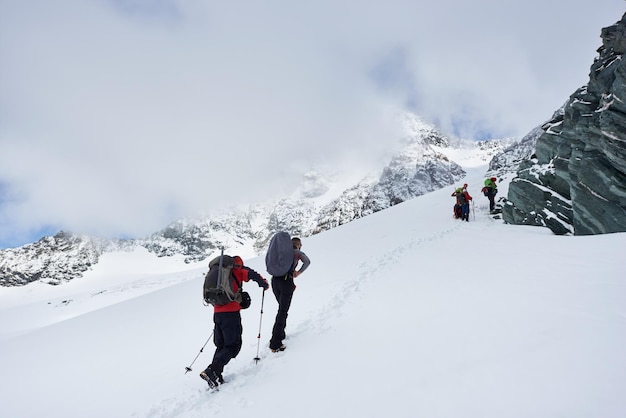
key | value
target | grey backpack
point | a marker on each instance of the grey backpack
(219, 282)
(279, 257)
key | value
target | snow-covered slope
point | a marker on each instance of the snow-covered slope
(403, 313)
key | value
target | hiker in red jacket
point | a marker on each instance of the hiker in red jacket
(461, 208)
(228, 330)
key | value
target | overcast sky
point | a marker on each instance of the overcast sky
(120, 116)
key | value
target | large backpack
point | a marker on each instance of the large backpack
(458, 211)
(219, 282)
(279, 257)
(460, 198)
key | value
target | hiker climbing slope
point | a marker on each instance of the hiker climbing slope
(490, 190)
(461, 208)
(227, 318)
(282, 259)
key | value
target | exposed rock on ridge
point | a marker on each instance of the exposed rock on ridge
(576, 180)
(419, 169)
(53, 259)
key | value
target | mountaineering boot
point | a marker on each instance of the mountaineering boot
(211, 377)
(281, 348)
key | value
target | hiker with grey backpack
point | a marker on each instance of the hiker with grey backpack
(282, 259)
(223, 289)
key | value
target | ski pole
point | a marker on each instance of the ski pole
(473, 211)
(258, 344)
(188, 368)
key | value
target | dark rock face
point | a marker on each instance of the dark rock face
(576, 180)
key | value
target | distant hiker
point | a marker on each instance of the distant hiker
(490, 190)
(461, 208)
(456, 209)
(228, 330)
(282, 281)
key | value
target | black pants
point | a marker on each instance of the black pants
(283, 290)
(227, 339)
(492, 201)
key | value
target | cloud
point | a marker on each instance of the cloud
(118, 117)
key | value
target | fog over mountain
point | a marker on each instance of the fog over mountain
(321, 202)
(118, 117)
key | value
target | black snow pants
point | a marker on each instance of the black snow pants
(283, 290)
(227, 339)
(491, 195)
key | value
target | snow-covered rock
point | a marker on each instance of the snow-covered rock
(575, 180)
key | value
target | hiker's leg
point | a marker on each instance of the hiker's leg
(231, 330)
(284, 302)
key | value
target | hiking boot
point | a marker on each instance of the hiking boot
(211, 377)
(281, 348)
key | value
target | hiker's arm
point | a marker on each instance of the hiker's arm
(305, 262)
(257, 278)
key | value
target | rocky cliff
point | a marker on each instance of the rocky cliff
(575, 182)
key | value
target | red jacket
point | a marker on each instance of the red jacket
(242, 274)
(463, 193)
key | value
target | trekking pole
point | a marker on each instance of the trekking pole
(473, 211)
(258, 344)
(188, 368)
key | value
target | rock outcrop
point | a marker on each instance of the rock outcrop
(576, 180)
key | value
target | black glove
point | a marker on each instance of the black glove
(245, 300)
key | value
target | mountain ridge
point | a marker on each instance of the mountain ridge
(420, 167)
